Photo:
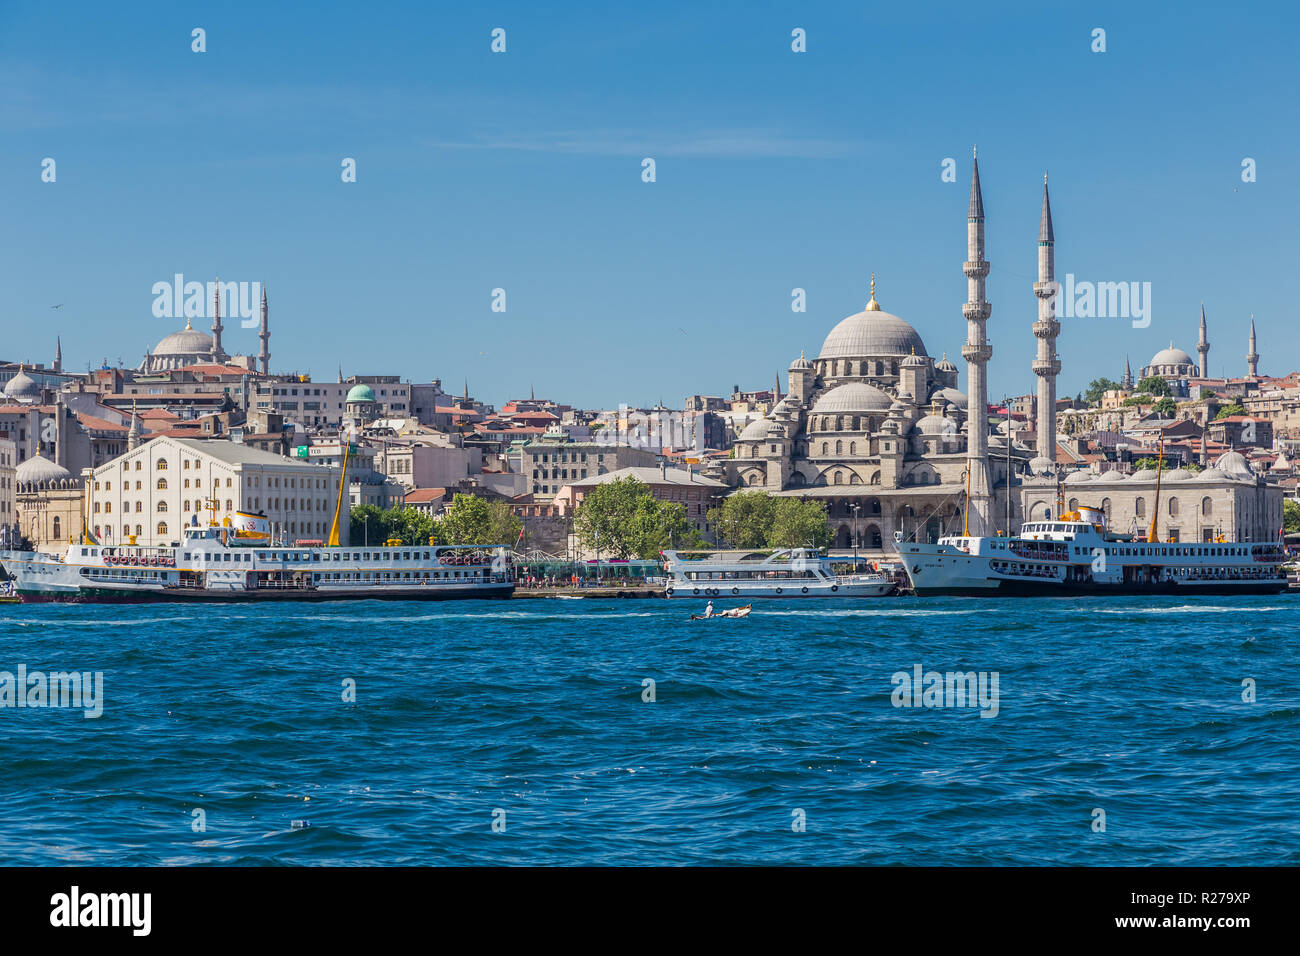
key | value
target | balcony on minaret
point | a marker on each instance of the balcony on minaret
(1045, 367)
(1045, 290)
(977, 353)
(1047, 328)
(975, 270)
(975, 311)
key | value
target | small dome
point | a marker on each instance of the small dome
(1078, 477)
(188, 342)
(1234, 464)
(39, 470)
(1178, 474)
(360, 393)
(937, 425)
(757, 431)
(1042, 465)
(943, 365)
(801, 364)
(852, 397)
(1171, 356)
(912, 361)
(1112, 476)
(1211, 474)
(22, 388)
(950, 395)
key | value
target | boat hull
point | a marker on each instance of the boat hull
(784, 593)
(204, 596)
(996, 588)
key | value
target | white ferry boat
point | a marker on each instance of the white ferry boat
(788, 573)
(1077, 555)
(219, 564)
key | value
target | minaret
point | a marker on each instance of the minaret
(264, 359)
(58, 354)
(1127, 382)
(977, 353)
(1252, 356)
(1203, 346)
(776, 389)
(1046, 329)
(133, 436)
(217, 354)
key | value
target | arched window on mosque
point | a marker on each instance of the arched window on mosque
(839, 448)
(839, 478)
(57, 533)
(1173, 506)
(853, 448)
(1140, 507)
(1207, 507)
(857, 423)
(825, 446)
(893, 368)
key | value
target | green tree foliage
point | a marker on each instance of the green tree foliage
(471, 519)
(756, 519)
(1154, 385)
(744, 518)
(1290, 515)
(1165, 408)
(1236, 408)
(1098, 386)
(624, 520)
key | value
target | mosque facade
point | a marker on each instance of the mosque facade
(877, 428)
(191, 346)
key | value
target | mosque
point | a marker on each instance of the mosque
(1177, 367)
(877, 429)
(191, 346)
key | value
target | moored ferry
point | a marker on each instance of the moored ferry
(229, 564)
(786, 573)
(1078, 555)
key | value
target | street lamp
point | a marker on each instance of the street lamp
(855, 507)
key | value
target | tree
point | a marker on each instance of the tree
(744, 518)
(799, 523)
(1154, 385)
(1290, 515)
(370, 525)
(1236, 408)
(1165, 408)
(623, 519)
(1144, 464)
(1097, 387)
(472, 519)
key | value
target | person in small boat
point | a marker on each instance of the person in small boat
(708, 611)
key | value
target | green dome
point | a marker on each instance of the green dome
(361, 393)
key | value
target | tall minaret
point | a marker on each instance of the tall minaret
(977, 353)
(58, 354)
(264, 359)
(1127, 381)
(1252, 356)
(133, 435)
(1203, 346)
(1047, 366)
(217, 355)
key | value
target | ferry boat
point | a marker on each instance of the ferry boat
(231, 564)
(786, 573)
(1078, 555)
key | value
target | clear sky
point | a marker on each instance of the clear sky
(522, 171)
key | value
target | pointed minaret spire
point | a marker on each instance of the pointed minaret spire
(58, 354)
(976, 197)
(977, 353)
(1252, 356)
(218, 355)
(1127, 381)
(133, 435)
(1203, 346)
(264, 358)
(1047, 365)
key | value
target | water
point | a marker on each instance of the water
(1132, 706)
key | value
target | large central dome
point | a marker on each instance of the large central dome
(872, 332)
(187, 342)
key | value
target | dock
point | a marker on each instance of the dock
(640, 591)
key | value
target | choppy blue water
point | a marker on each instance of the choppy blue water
(536, 708)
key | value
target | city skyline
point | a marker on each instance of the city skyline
(478, 171)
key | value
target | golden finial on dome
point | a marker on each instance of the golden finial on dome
(873, 305)
(188, 327)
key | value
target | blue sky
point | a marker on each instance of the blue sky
(522, 171)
